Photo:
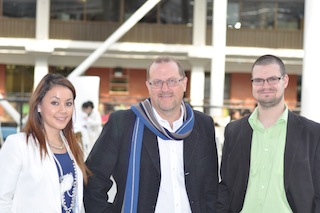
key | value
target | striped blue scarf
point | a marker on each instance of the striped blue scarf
(145, 117)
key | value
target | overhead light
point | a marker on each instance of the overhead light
(118, 72)
(237, 25)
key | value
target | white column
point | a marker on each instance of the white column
(310, 101)
(197, 87)
(40, 68)
(40, 52)
(42, 19)
(199, 23)
(197, 80)
(218, 60)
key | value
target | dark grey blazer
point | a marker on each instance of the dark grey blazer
(110, 156)
(301, 165)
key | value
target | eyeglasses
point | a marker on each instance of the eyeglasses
(260, 81)
(171, 82)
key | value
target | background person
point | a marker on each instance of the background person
(93, 123)
(161, 154)
(271, 158)
(42, 168)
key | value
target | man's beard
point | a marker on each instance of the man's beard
(270, 103)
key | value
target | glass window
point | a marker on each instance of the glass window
(19, 8)
(233, 15)
(290, 15)
(111, 11)
(209, 12)
(119, 82)
(176, 11)
(152, 16)
(18, 87)
(257, 14)
(265, 14)
(131, 6)
(167, 11)
(19, 80)
(93, 10)
(65, 71)
(102, 10)
(68, 9)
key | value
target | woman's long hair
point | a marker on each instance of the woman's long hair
(35, 127)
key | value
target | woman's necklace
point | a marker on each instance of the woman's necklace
(57, 147)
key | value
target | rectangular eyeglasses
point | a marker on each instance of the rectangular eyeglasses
(171, 82)
(271, 81)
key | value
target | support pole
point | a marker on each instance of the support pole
(310, 72)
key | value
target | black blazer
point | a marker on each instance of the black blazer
(110, 156)
(301, 165)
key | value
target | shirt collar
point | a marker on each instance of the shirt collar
(254, 121)
(165, 123)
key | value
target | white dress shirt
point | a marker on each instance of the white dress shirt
(172, 193)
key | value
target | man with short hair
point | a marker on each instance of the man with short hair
(271, 158)
(161, 153)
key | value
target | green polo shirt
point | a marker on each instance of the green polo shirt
(265, 191)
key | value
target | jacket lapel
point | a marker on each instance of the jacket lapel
(246, 147)
(188, 146)
(151, 145)
(52, 175)
(294, 132)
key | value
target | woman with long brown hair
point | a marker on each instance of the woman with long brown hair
(42, 168)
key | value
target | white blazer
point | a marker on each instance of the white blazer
(29, 184)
